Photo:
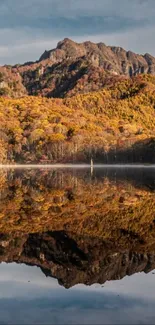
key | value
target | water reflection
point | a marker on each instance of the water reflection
(78, 228)
(29, 298)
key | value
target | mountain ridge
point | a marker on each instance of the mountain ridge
(88, 47)
(73, 68)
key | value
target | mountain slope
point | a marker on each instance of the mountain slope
(112, 58)
(72, 67)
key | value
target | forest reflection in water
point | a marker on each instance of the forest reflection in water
(79, 227)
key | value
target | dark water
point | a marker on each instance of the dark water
(77, 246)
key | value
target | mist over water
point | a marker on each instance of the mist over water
(25, 166)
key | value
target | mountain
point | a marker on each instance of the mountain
(103, 106)
(111, 58)
(73, 68)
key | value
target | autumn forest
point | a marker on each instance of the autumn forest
(88, 112)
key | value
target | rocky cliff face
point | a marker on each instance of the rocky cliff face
(111, 58)
(73, 68)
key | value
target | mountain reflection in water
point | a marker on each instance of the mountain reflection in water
(77, 227)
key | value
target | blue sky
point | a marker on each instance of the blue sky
(29, 27)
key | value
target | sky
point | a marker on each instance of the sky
(28, 28)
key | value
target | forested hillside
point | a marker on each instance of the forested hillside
(115, 124)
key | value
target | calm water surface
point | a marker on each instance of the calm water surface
(77, 246)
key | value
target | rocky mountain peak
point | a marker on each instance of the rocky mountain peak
(111, 58)
(74, 67)
(65, 42)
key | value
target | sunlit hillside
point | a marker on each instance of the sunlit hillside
(114, 124)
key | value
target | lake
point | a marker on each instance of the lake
(77, 245)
